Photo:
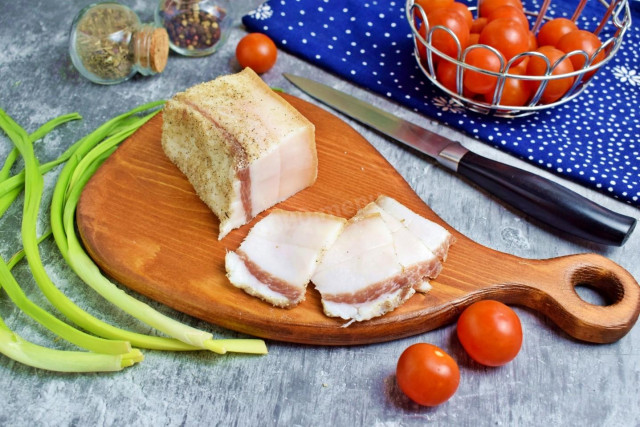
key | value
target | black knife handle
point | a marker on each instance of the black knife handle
(547, 201)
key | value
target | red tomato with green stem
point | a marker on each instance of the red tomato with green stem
(487, 60)
(490, 332)
(427, 374)
(256, 51)
(506, 35)
(556, 88)
(552, 31)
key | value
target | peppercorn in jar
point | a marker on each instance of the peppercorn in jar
(195, 27)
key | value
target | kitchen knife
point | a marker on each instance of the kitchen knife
(534, 195)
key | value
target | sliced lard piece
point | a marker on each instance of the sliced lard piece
(360, 276)
(415, 258)
(434, 236)
(277, 258)
(241, 145)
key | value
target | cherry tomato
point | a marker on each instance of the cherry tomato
(474, 38)
(446, 73)
(490, 332)
(477, 25)
(510, 12)
(427, 375)
(441, 39)
(533, 42)
(506, 35)
(488, 6)
(483, 58)
(552, 31)
(256, 51)
(521, 67)
(581, 40)
(431, 5)
(463, 10)
(555, 88)
(515, 92)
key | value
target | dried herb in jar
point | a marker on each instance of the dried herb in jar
(108, 44)
(103, 36)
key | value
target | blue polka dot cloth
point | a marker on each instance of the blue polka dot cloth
(593, 139)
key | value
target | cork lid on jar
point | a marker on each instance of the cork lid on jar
(159, 52)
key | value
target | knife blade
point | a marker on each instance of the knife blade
(533, 195)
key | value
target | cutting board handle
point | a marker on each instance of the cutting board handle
(554, 282)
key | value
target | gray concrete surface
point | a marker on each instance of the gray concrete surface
(555, 380)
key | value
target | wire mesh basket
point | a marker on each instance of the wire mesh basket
(613, 23)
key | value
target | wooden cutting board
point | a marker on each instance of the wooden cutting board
(143, 224)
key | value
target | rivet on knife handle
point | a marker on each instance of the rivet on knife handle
(547, 201)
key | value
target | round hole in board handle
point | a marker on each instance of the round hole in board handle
(597, 286)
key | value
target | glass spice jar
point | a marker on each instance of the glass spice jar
(108, 44)
(195, 27)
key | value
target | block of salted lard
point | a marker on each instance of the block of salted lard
(241, 145)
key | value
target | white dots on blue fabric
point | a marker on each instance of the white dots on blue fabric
(593, 139)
